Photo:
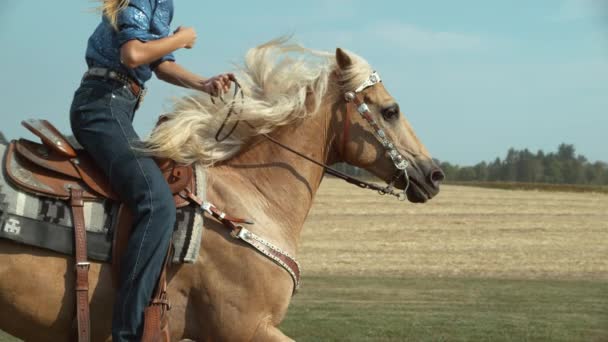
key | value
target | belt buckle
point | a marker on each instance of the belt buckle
(140, 95)
(135, 88)
(83, 264)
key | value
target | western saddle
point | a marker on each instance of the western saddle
(55, 169)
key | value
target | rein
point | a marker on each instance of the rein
(352, 96)
(332, 171)
(237, 89)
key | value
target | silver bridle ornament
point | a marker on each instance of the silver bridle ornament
(398, 159)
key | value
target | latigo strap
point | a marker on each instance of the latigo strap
(82, 266)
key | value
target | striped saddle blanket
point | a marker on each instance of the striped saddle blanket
(47, 223)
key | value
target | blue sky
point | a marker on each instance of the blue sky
(473, 77)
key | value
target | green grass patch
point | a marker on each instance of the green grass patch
(535, 186)
(397, 309)
(4, 337)
(380, 309)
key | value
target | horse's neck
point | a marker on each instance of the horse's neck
(276, 187)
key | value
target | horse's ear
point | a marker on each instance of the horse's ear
(343, 59)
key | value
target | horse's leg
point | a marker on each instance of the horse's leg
(268, 332)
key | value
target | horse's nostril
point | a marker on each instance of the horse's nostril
(437, 176)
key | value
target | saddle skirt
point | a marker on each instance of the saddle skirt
(37, 179)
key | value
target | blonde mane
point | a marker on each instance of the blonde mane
(282, 83)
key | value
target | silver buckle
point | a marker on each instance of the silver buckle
(242, 234)
(84, 264)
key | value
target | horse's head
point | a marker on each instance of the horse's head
(373, 134)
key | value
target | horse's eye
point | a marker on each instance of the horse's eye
(391, 112)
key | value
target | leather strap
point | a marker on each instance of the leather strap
(82, 266)
(133, 85)
(345, 134)
(210, 208)
(237, 231)
(156, 321)
(271, 251)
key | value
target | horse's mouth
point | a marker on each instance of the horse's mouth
(416, 192)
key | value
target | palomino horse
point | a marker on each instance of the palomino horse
(233, 293)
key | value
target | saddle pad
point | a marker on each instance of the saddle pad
(47, 223)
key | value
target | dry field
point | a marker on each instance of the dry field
(463, 232)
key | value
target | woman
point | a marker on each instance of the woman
(132, 41)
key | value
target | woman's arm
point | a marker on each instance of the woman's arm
(174, 73)
(135, 52)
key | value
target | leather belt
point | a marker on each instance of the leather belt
(96, 72)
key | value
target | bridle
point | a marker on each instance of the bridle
(399, 161)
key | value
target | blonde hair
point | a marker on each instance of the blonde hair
(282, 82)
(111, 8)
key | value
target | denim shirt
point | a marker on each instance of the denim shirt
(144, 20)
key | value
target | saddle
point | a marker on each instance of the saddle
(55, 169)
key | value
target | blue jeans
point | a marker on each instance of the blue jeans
(101, 118)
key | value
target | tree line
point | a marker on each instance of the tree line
(562, 167)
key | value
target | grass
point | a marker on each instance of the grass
(431, 309)
(349, 308)
(4, 337)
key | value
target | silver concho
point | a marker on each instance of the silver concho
(349, 96)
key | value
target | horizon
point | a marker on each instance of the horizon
(473, 78)
(3, 139)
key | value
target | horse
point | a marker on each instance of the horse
(293, 95)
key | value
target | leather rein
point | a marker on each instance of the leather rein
(399, 161)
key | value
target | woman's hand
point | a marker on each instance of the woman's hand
(186, 35)
(173, 73)
(217, 85)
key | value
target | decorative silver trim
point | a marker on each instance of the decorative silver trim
(206, 206)
(349, 96)
(55, 139)
(256, 242)
(363, 108)
(253, 240)
(83, 264)
(26, 176)
(373, 79)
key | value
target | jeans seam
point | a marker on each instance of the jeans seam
(132, 278)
